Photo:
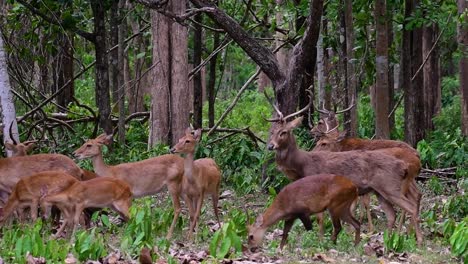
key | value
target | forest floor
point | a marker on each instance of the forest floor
(302, 247)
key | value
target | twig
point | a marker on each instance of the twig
(234, 102)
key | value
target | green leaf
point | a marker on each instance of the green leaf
(105, 221)
(140, 55)
(214, 243)
(224, 248)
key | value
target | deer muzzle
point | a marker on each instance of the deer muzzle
(271, 146)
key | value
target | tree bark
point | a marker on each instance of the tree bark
(64, 70)
(122, 85)
(431, 76)
(114, 55)
(350, 70)
(412, 60)
(212, 82)
(180, 101)
(160, 101)
(102, 66)
(463, 46)
(6, 98)
(382, 130)
(197, 78)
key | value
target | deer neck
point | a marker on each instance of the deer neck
(284, 155)
(271, 216)
(100, 168)
(188, 166)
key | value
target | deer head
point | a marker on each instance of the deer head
(330, 142)
(93, 147)
(328, 123)
(281, 134)
(18, 148)
(188, 142)
(255, 233)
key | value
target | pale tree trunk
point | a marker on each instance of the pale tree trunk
(432, 84)
(6, 97)
(160, 100)
(463, 46)
(382, 130)
(180, 103)
(324, 93)
(350, 70)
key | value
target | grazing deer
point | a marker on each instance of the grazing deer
(369, 171)
(336, 141)
(100, 192)
(201, 177)
(146, 177)
(29, 190)
(306, 196)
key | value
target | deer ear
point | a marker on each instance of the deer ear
(9, 146)
(188, 131)
(295, 123)
(331, 115)
(30, 146)
(341, 136)
(108, 139)
(197, 134)
(259, 221)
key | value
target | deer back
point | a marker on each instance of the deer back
(14, 168)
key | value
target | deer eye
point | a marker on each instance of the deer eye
(89, 145)
(320, 122)
(187, 141)
(283, 133)
(251, 237)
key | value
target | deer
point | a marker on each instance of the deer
(99, 192)
(201, 177)
(28, 191)
(331, 139)
(146, 177)
(18, 148)
(12, 169)
(369, 171)
(308, 195)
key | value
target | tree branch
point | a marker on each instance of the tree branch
(260, 54)
(86, 35)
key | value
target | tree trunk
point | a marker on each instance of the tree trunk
(6, 97)
(180, 102)
(463, 46)
(102, 66)
(382, 130)
(114, 55)
(212, 81)
(197, 78)
(391, 66)
(160, 100)
(122, 32)
(431, 76)
(351, 75)
(65, 70)
(412, 60)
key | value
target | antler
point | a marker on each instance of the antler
(11, 134)
(303, 109)
(347, 109)
(280, 115)
(323, 110)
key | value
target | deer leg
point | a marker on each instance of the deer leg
(388, 210)
(365, 204)
(320, 224)
(335, 217)
(287, 227)
(175, 194)
(347, 216)
(305, 219)
(34, 208)
(214, 198)
(198, 211)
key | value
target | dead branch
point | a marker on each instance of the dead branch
(245, 131)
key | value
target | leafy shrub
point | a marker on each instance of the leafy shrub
(89, 246)
(398, 243)
(458, 240)
(225, 240)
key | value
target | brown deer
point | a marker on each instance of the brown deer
(337, 142)
(100, 192)
(369, 171)
(202, 177)
(306, 196)
(14, 168)
(144, 177)
(18, 148)
(29, 190)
